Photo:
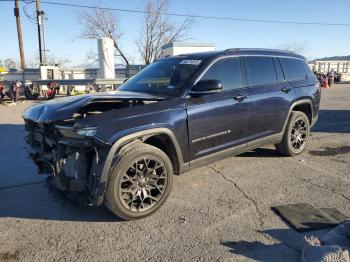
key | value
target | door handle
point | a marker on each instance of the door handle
(286, 89)
(239, 98)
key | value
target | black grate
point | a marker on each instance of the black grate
(93, 182)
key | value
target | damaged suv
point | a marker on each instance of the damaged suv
(123, 147)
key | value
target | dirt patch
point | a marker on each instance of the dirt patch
(9, 255)
(331, 151)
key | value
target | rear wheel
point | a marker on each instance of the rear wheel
(140, 182)
(295, 136)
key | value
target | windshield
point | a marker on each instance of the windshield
(164, 77)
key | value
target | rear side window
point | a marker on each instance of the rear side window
(261, 71)
(309, 73)
(293, 69)
(228, 71)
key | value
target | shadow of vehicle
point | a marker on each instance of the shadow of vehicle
(333, 121)
(262, 152)
(288, 248)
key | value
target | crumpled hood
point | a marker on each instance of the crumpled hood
(64, 108)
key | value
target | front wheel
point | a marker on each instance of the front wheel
(296, 135)
(140, 182)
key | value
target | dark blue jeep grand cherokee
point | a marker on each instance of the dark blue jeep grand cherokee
(124, 147)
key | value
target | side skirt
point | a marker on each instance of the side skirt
(205, 160)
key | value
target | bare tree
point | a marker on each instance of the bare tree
(157, 30)
(54, 60)
(33, 62)
(11, 63)
(298, 48)
(100, 23)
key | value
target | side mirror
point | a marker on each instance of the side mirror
(204, 87)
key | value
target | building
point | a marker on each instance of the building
(122, 72)
(325, 66)
(178, 48)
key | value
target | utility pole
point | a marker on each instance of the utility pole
(19, 32)
(40, 22)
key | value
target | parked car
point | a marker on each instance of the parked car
(31, 90)
(178, 113)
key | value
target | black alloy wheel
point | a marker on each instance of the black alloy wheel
(143, 184)
(140, 182)
(296, 135)
(299, 134)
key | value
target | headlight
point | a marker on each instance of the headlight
(70, 131)
(88, 131)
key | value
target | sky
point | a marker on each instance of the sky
(62, 29)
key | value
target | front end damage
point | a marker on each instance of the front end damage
(68, 152)
(73, 161)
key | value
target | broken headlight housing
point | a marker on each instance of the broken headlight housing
(82, 132)
(87, 131)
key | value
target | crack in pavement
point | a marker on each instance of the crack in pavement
(255, 204)
(253, 201)
(312, 166)
(21, 185)
(324, 187)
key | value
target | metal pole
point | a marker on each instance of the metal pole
(43, 36)
(19, 32)
(39, 22)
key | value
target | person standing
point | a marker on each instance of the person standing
(12, 90)
(332, 76)
(15, 86)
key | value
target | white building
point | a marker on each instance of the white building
(339, 66)
(179, 48)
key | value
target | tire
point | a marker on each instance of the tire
(294, 142)
(124, 197)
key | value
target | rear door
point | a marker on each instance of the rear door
(270, 96)
(220, 120)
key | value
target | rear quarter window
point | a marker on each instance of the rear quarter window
(261, 71)
(293, 69)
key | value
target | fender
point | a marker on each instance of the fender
(97, 197)
(299, 102)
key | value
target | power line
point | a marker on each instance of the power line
(199, 16)
(191, 15)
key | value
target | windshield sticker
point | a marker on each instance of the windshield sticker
(190, 62)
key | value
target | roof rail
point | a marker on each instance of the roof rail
(259, 49)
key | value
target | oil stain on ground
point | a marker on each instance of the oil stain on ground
(9, 255)
(330, 151)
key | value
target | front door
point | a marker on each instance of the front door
(220, 120)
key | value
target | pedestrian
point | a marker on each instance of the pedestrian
(15, 86)
(329, 79)
(1, 92)
(332, 76)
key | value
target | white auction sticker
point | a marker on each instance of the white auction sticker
(190, 62)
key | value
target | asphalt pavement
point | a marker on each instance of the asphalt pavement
(220, 212)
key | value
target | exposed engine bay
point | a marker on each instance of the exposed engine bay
(68, 152)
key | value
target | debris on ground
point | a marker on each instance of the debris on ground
(303, 217)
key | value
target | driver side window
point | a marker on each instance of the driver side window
(228, 71)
